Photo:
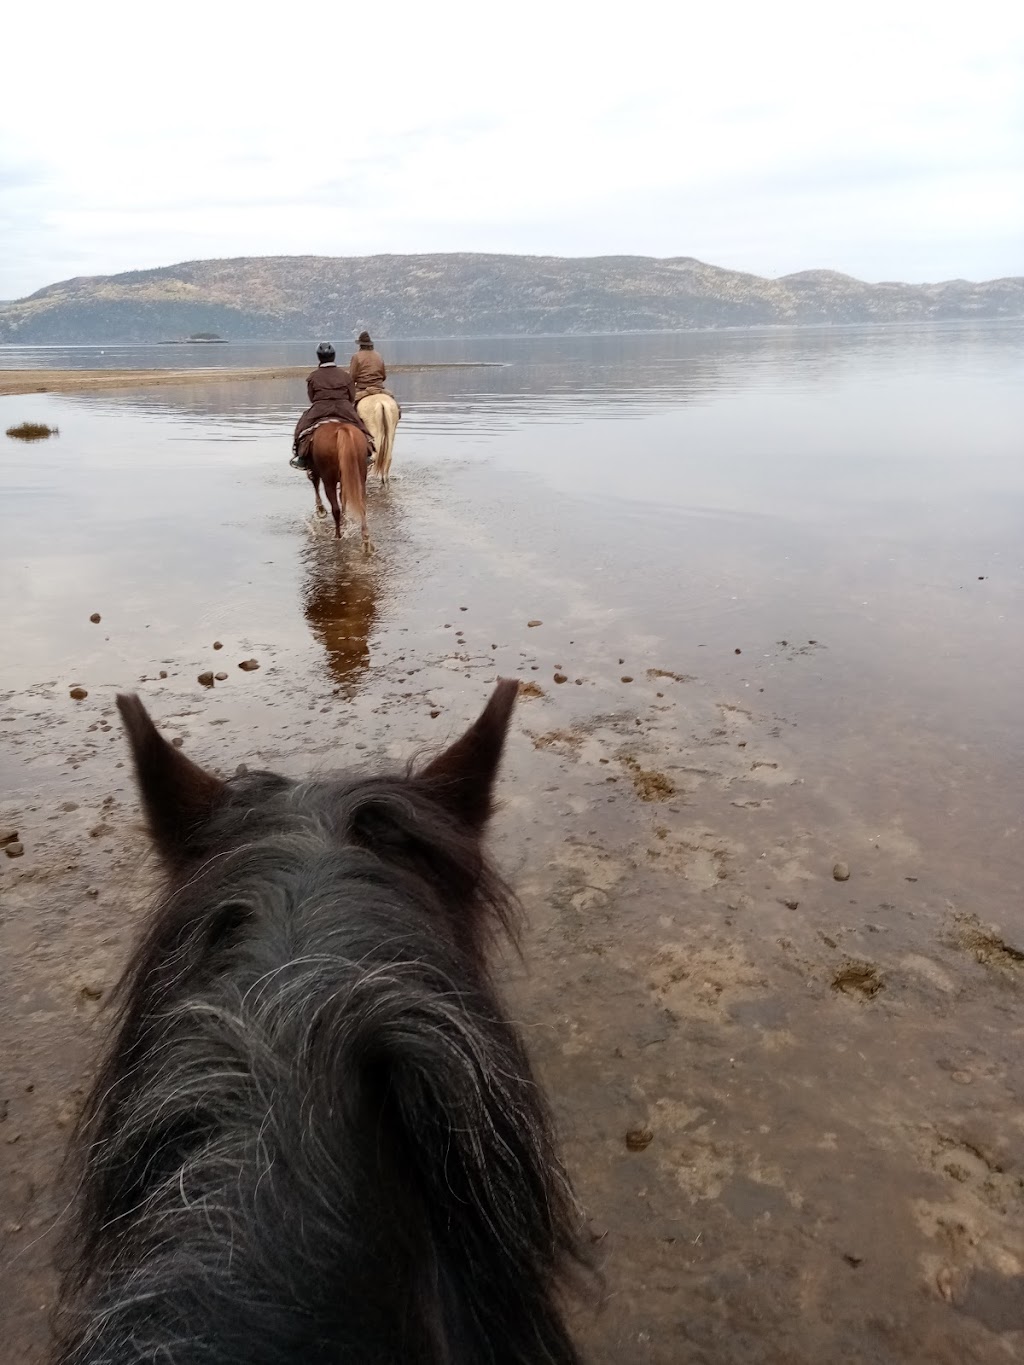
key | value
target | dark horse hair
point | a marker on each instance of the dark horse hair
(315, 1136)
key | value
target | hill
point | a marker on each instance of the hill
(281, 297)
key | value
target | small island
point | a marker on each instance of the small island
(32, 431)
(196, 339)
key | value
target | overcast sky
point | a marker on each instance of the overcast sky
(881, 139)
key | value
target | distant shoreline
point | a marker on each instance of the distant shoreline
(80, 381)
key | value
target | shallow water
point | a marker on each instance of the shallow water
(865, 489)
(786, 570)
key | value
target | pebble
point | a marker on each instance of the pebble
(737, 651)
(560, 678)
(206, 679)
(434, 715)
(841, 872)
(217, 644)
(95, 618)
(8, 836)
(639, 1138)
(534, 623)
(14, 850)
(221, 677)
(163, 672)
(93, 892)
(177, 741)
(248, 665)
(626, 678)
(78, 694)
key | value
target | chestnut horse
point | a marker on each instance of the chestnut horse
(338, 451)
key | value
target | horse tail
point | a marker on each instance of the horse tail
(388, 421)
(352, 471)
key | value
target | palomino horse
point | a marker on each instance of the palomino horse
(338, 452)
(381, 413)
(315, 1136)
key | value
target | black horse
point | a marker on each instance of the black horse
(315, 1136)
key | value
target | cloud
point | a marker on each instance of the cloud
(886, 140)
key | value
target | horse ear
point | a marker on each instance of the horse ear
(462, 778)
(177, 795)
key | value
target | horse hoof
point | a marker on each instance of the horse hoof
(321, 511)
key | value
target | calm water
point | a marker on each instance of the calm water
(715, 492)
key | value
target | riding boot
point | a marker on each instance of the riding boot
(300, 461)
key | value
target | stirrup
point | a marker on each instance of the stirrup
(299, 462)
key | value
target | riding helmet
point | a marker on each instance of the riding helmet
(325, 351)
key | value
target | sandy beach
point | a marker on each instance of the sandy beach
(91, 381)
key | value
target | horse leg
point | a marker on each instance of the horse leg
(332, 496)
(314, 479)
(360, 501)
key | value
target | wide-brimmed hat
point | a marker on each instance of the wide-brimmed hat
(364, 339)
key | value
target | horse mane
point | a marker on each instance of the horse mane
(315, 1136)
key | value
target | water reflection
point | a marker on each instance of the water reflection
(340, 602)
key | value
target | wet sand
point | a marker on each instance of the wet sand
(793, 1105)
(89, 381)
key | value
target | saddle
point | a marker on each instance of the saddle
(302, 445)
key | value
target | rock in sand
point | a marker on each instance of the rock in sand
(637, 1139)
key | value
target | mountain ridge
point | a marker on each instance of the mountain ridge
(466, 294)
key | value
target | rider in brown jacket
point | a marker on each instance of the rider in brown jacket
(331, 395)
(367, 368)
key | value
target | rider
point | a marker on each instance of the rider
(367, 368)
(331, 397)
